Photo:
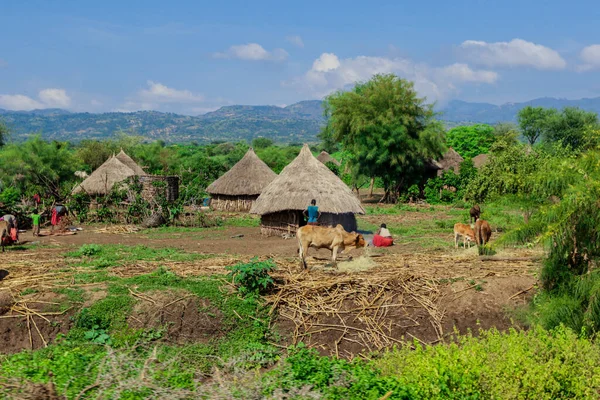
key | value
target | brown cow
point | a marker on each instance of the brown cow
(321, 237)
(466, 232)
(475, 213)
(483, 232)
(4, 233)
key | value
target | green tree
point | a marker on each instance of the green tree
(390, 130)
(37, 165)
(94, 153)
(261, 143)
(534, 122)
(570, 127)
(4, 132)
(507, 131)
(470, 141)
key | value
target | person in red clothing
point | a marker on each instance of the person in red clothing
(383, 237)
(58, 212)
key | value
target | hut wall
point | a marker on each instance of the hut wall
(150, 190)
(232, 203)
(277, 224)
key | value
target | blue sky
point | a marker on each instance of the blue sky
(195, 56)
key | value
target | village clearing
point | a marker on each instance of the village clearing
(119, 286)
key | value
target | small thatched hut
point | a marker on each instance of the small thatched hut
(480, 160)
(325, 157)
(102, 180)
(282, 202)
(238, 188)
(450, 161)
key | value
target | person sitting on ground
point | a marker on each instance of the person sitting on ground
(312, 213)
(383, 237)
(35, 218)
(11, 220)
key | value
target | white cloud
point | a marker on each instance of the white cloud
(159, 93)
(590, 55)
(326, 62)
(329, 73)
(295, 40)
(18, 102)
(48, 98)
(253, 52)
(55, 98)
(464, 73)
(516, 53)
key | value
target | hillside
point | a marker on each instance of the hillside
(299, 122)
(296, 123)
(462, 111)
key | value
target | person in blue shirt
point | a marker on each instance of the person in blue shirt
(312, 213)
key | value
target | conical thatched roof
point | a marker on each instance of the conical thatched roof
(125, 159)
(480, 160)
(102, 180)
(450, 161)
(304, 179)
(248, 177)
(325, 157)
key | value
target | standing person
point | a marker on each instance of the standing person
(35, 217)
(312, 213)
(37, 199)
(55, 219)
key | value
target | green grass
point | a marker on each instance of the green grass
(102, 256)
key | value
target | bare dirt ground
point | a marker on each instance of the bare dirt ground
(380, 298)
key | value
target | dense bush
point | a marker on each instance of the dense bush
(252, 278)
(471, 141)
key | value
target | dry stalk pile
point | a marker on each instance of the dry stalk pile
(355, 312)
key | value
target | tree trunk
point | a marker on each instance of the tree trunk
(371, 188)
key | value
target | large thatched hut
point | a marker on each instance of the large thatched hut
(102, 180)
(325, 157)
(450, 161)
(239, 187)
(282, 202)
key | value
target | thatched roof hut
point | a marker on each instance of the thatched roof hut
(239, 187)
(450, 161)
(102, 180)
(282, 202)
(480, 160)
(325, 157)
(125, 159)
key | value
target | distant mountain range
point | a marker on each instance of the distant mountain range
(299, 122)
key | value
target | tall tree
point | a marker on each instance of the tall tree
(534, 122)
(391, 132)
(571, 126)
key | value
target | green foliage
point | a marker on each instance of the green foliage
(470, 141)
(42, 166)
(10, 196)
(4, 133)
(261, 143)
(389, 130)
(536, 364)
(534, 122)
(252, 279)
(572, 127)
(450, 187)
(89, 250)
